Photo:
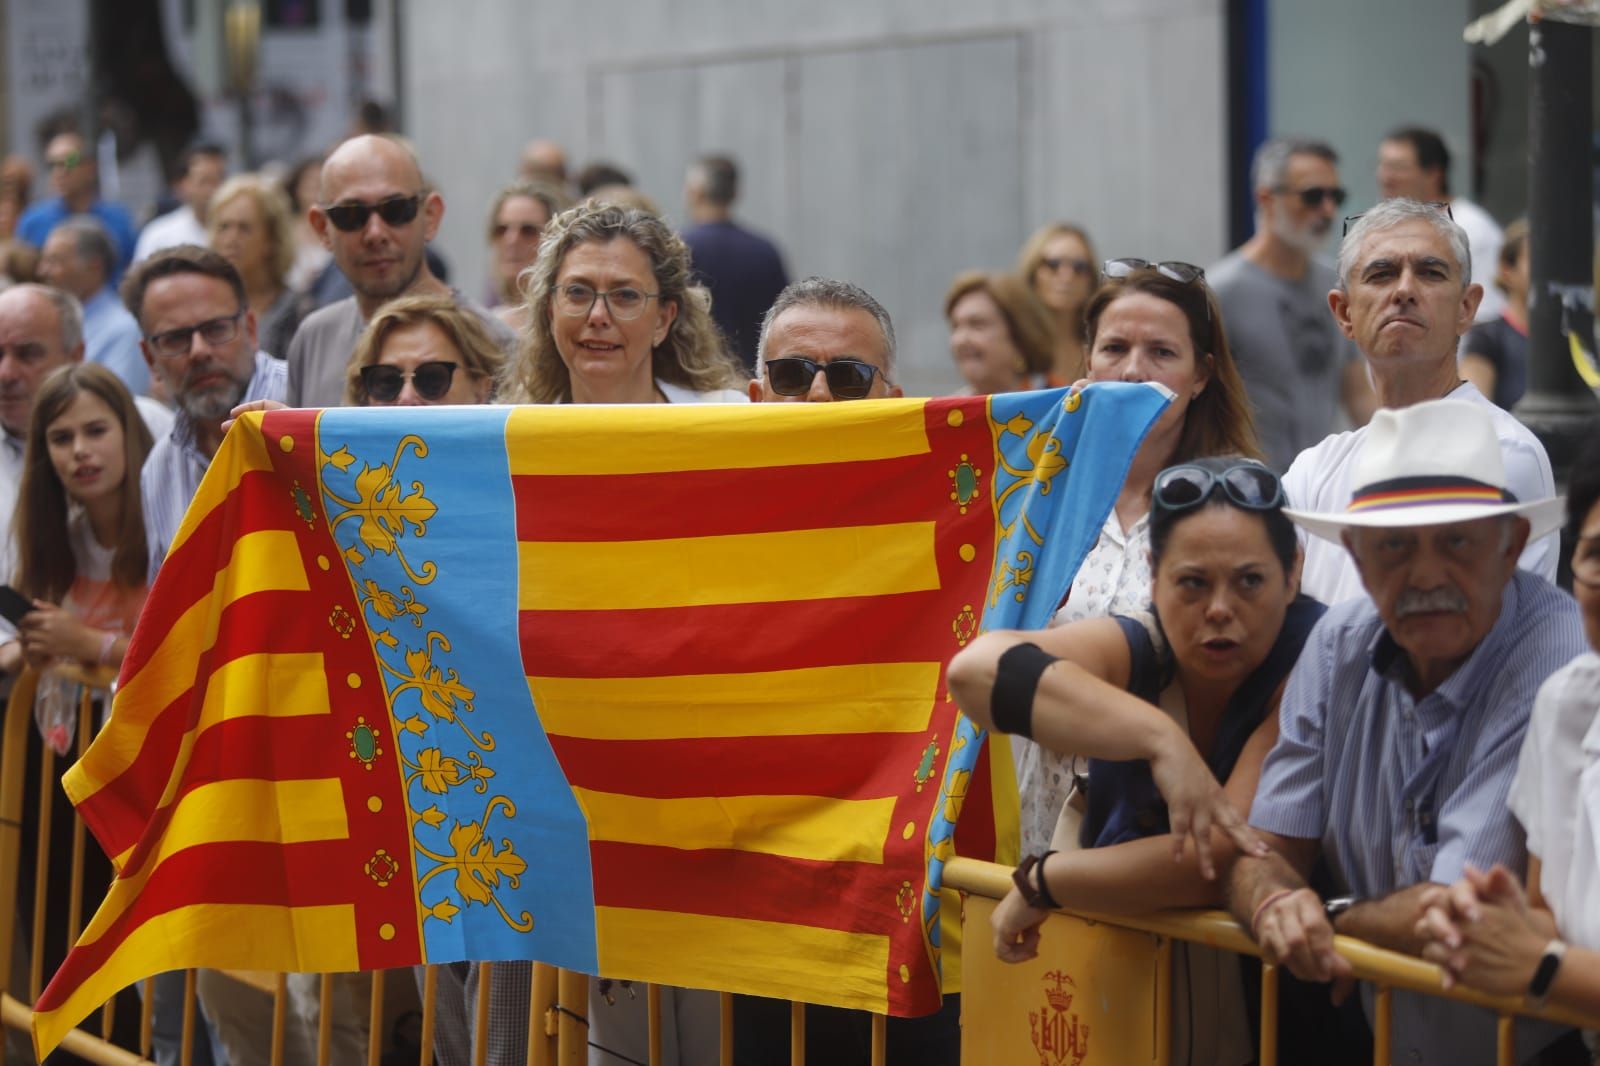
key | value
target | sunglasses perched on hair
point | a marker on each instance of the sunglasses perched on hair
(383, 383)
(1186, 273)
(848, 379)
(395, 211)
(526, 230)
(1248, 484)
(1437, 205)
(177, 343)
(1080, 267)
(1313, 195)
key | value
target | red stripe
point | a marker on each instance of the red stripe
(708, 503)
(249, 873)
(858, 766)
(849, 896)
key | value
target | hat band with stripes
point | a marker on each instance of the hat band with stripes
(1427, 492)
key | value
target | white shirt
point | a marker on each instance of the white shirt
(1484, 238)
(1561, 758)
(1319, 481)
(169, 231)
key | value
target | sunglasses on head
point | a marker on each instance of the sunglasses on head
(1079, 267)
(1312, 196)
(1437, 205)
(1246, 483)
(526, 230)
(430, 380)
(1186, 273)
(848, 379)
(395, 211)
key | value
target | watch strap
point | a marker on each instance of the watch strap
(1544, 975)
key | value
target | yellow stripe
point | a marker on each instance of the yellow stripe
(799, 827)
(763, 958)
(222, 936)
(251, 809)
(264, 685)
(658, 438)
(264, 561)
(242, 451)
(865, 698)
(802, 564)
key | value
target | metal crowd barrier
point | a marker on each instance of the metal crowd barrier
(1007, 1011)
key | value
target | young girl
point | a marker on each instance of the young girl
(79, 534)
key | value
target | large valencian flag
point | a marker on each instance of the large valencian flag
(653, 692)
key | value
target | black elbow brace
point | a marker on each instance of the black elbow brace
(1016, 678)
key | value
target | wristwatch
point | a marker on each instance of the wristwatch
(1029, 879)
(1337, 906)
(1544, 975)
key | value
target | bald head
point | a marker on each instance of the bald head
(365, 156)
(544, 159)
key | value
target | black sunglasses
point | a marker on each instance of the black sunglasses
(1437, 205)
(430, 380)
(526, 230)
(1247, 483)
(848, 379)
(1313, 195)
(396, 211)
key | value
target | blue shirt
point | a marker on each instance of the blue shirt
(111, 338)
(172, 472)
(745, 274)
(40, 218)
(1400, 790)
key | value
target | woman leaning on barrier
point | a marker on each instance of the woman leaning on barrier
(1165, 703)
(1544, 942)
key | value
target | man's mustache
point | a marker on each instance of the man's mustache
(1416, 601)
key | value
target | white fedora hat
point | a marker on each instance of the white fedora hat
(1427, 465)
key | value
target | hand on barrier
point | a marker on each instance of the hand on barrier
(50, 632)
(1482, 931)
(1196, 802)
(252, 405)
(1016, 928)
(1293, 931)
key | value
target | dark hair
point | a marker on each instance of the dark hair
(1280, 531)
(180, 259)
(1430, 150)
(45, 565)
(1583, 486)
(721, 179)
(599, 174)
(1218, 421)
(291, 181)
(197, 150)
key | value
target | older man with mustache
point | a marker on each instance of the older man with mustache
(1405, 298)
(1401, 724)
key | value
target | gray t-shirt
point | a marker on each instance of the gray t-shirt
(319, 355)
(1289, 351)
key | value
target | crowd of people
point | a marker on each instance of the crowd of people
(1293, 676)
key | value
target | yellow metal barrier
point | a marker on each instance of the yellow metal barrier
(1002, 1027)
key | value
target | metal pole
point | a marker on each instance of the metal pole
(1558, 406)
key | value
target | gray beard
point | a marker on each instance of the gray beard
(212, 405)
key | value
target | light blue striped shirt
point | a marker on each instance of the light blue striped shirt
(1401, 790)
(172, 472)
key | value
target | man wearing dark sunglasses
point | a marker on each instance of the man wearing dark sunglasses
(1273, 291)
(376, 215)
(821, 341)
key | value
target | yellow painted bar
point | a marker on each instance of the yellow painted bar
(278, 812)
(572, 1039)
(1382, 1024)
(797, 1033)
(875, 560)
(880, 1040)
(264, 561)
(597, 439)
(652, 1012)
(799, 827)
(858, 698)
(631, 942)
(1506, 1040)
(725, 1035)
(244, 451)
(1269, 1014)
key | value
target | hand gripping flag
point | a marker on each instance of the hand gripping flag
(652, 692)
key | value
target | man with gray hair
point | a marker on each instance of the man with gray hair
(1404, 297)
(824, 340)
(80, 257)
(1272, 289)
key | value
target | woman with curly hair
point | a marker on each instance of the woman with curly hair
(611, 318)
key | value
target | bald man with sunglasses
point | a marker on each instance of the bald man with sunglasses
(376, 214)
(1273, 290)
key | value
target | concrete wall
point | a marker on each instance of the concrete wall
(891, 142)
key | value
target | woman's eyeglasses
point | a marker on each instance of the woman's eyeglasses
(577, 300)
(1080, 267)
(1185, 273)
(396, 211)
(848, 379)
(1248, 484)
(431, 381)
